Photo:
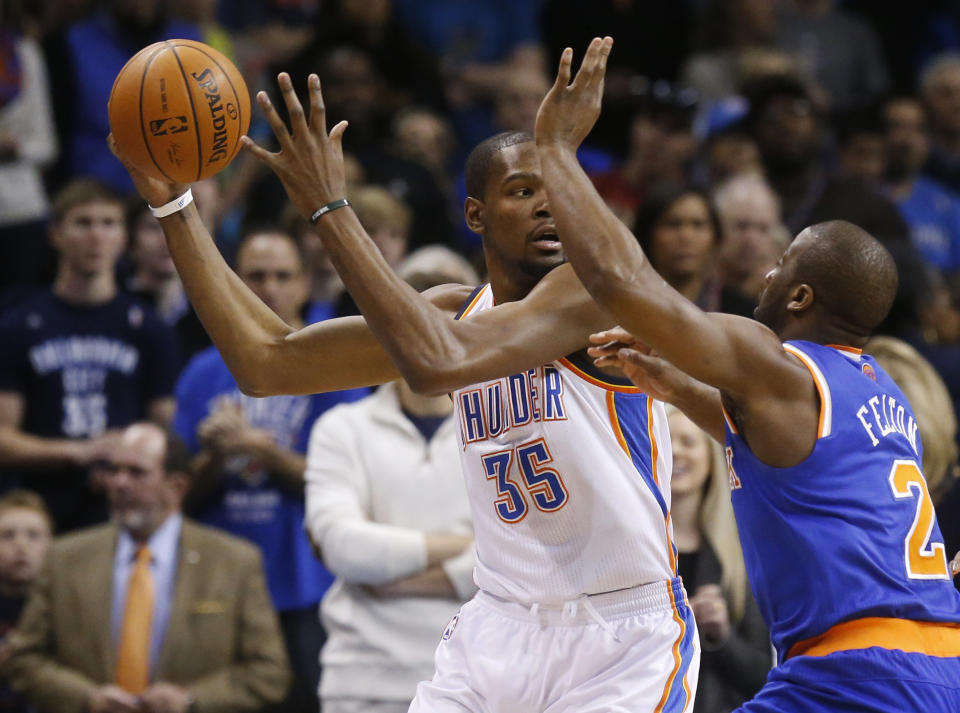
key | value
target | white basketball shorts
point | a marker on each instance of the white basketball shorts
(631, 651)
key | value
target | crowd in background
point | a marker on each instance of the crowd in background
(727, 127)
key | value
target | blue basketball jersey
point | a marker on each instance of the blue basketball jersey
(850, 532)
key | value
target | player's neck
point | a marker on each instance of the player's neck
(78, 288)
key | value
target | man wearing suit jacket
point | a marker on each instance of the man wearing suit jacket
(151, 613)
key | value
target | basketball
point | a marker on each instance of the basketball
(178, 109)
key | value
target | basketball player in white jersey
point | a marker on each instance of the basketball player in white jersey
(567, 468)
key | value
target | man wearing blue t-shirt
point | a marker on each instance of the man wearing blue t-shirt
(250, 463)
(930, 208)
(79, 360)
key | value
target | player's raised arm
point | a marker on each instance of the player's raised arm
(432, 351)
(731, 353)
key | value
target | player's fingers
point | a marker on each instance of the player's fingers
(614, 334)
(336, 133)
(276, 123)
(605, 48)
(629, 355)
(298, 119)
(563, 71)
(588, 66)
(318, 111)
(261, 153)
(955, 565)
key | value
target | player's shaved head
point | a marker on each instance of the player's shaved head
(477, 170)
(854, 278)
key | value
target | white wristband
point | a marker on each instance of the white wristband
(177, 204)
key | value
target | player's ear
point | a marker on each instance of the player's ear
(473, 214)
(801, 298)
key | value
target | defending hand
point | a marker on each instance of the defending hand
(618, 348)
(955, 565)
(310, 161)
(569, 111)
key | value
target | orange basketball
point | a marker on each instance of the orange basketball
(178, 109)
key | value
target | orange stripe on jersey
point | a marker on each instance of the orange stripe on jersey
(677, 658)
(933, 638)
(653, 441)
(823, 425)
(598, 382)
(844, 348)
(729, 419)
(473, 303)
(615, 423)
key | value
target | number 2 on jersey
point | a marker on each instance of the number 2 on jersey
(924, 559)
(540, 482)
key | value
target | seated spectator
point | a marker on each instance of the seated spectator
(940, 91)
(249, 460)
(736, 647)
(754, 237)
(28, 143)
(79, 360)
(789, 130)
(680, 230)
(931, 209)
(862, 151)
(403, 562)
(25, 534)
(151, 612)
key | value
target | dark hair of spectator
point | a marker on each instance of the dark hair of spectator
(477, 170)
(25, 500)
(861, 122)
(82, 191)
(763, 90)
(656, 205)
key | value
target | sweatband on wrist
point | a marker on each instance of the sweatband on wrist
(333, 205)
(177, 204)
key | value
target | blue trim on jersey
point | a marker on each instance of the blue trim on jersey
(469, 301)
(678, 698)
(632, 414)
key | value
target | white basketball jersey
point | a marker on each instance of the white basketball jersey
(568, 476)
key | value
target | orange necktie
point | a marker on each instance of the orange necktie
(133, 656)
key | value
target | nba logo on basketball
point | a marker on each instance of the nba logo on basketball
(448, 632)
(869, 372)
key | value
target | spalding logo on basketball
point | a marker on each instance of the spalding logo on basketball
(178, 109)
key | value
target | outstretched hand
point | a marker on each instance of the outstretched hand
(569, 111)
(955, 565)
(644, 367)
(309, 163)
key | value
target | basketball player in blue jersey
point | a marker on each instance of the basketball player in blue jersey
(839, 535)
(567, 468)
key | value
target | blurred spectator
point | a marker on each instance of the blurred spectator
(403, 561)
(151, 612)
(837, 50)
(940, 89)
(680, 231)
(754, 237)
(202, 14)
(28, 143)
(931, 210)
(789, 132)
(324, 283)
(409, 71)
(651, 41)
(517, 100)
(735, 642)
(249, 460)
(154, 278)
(84, 59)
(25, 534)
(425, 137)
(862, 150)
(729, 31)
(726, 148)
(479, 44)
(661, 148)
(79, 359)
